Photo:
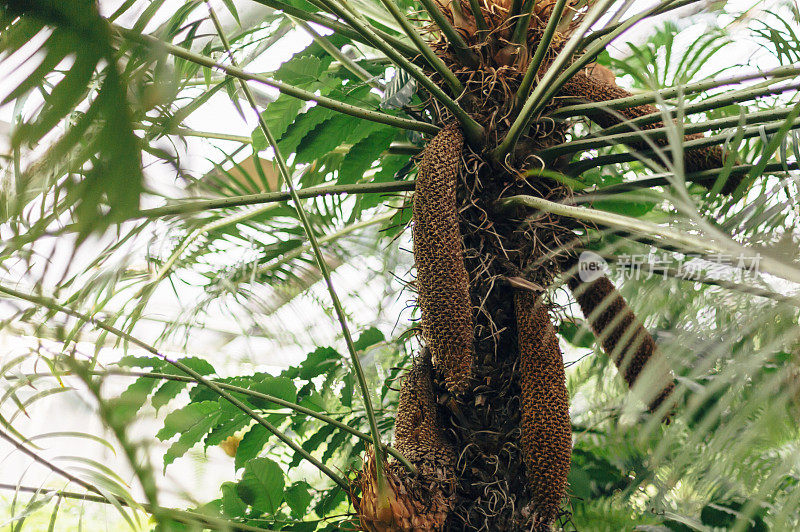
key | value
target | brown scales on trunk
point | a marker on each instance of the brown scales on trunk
(546, 434)
(420, 503)
(623, 337)
(417, 429)
(442, 282)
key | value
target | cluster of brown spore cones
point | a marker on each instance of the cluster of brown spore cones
(484, 411)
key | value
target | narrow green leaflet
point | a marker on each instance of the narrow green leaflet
(303, 126)
(302, 70)
(98, 145)
(314, 442)
(262, 485)
(132, 399)
(576, 333)
(280, 387)
(232, 504)
(363, 154)
(278, 115)
(192, 423)
(230, 423)
(319, 362)
(252, 442)
(298, 497)
(305, 70)
(368, 338)
(170, 389)
(325, 137)
(335, 444)
(232, 9)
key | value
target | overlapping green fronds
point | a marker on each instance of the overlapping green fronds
(93, 106)
(77, 79)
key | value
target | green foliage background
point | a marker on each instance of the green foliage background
(103, 106)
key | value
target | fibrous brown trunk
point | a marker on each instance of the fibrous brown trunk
(487, 423)
(510, 474)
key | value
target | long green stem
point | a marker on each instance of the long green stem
(551, 89)
(333, 67)
(184, 516)
(671, 92)
(285, 88)
(705, 178)
(695, 277)
(395, 148)
(523, 23)
(192, 206)
(460, 47)
(154, 508)
(54, 468)
(715, 102)
(536, 100)
(682, 239)
(53, 305)
(613, 220)
(433, 60)
(211, 135)
(337, 54)
(472, 130)
(711, 140)
(257, 395)
(619, 13)
(539, 54)
(659, 133)
(369, 15)
(223, 221)
(664, 7)
(321, 263)
(791, 122)
(300, 250)
(138, 463)
(335, 25)
(480, 21)
(515, 9)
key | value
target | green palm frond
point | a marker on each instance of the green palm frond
(99, 142)
(104, 154)
(654, 64)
